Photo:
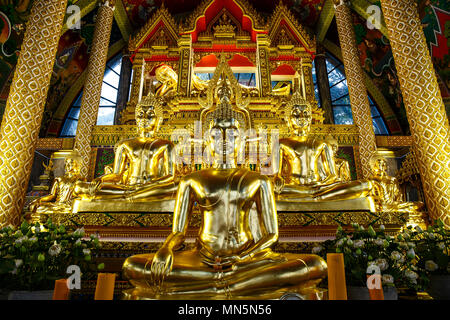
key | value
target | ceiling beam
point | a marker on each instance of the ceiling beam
(86, 6)
(121, 17)
(360, 7)
(325, 18)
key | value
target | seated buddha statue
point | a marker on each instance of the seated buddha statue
(229, 261)
(342, 166)
(386, 191)
(143, 166)
(61, 194)
(306, 167)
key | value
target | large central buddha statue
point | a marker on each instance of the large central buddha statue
(230, 261)
(306, 169)
(143, 166)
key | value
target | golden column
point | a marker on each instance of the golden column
(423, 101)
(25, 105)
(355, 79)
(93, 85)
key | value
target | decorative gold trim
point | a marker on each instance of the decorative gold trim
(162, 14)
(325, 19)
(282, 12)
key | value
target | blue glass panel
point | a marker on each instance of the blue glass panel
(106, 116)
(374, 111)
(335, 76)
(339, 90)
(109, 93)
(69, 128)
(314, 73)
(111, 78)
(77, 102)
(105, 103)
(316, 93)
(343, 100)
(246, 79)
(343, 115)
(74, 113)
(203, 76)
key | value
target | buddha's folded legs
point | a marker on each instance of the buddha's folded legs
(344, 190)
(191, 276)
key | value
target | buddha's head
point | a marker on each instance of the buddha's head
(300, 119)
(148, 116)
(165, 74)
(224, 92)
(379, 166)
(224, 142)
(72, 164)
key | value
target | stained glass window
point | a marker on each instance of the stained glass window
(246, 79)
(340, 98)
(108, 100)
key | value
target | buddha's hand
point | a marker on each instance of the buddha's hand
(278, 184)
(161, 265)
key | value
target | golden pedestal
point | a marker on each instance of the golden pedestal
(307, 291)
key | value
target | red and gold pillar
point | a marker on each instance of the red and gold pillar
(355, 80)
(93, 85)
(25, 105)
(423, 101)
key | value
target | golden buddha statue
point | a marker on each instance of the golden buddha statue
(306, 167)
(230, 260)
(342, 166)
(386, 191)
(61, 194)
(168, 79)
(143, 166)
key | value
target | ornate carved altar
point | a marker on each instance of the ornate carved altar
(276, 57)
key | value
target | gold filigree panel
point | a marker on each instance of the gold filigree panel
(93, 86)
(25, 105)
(423, 101)
(357, 90)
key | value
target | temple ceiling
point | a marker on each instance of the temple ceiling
(317, 16)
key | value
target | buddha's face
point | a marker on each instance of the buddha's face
(71, 166)
(224, 92)
(224, 140)
(146, 119)
(380, 167)
(300, 119)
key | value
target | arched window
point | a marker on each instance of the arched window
(340, 99)
(108, 100)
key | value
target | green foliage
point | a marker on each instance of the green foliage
(432, 250)
(362, 248)
(32, 257)
(405, 261)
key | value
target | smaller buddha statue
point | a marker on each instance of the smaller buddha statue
(168, 79)
(61, 194)
(342, 166)
(306, 168)
(386, 191)
(143, 166)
